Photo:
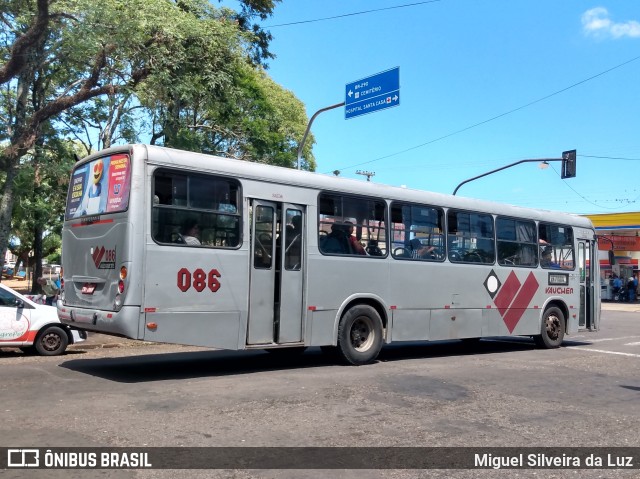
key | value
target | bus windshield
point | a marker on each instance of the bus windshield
(99, 186)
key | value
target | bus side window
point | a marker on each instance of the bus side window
(516, 242)
(558, 240)
(209, 200)
(350, 225)
(470, 237)
(417, 232)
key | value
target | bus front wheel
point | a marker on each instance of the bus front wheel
(360, 335)
(552, 329)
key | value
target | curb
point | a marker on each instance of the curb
(96, 346)
(88, 345)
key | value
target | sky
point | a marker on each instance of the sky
(483, 84)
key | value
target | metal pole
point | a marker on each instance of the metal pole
(304, 138)
(504, 168)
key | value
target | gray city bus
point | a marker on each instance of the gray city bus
(179, 247)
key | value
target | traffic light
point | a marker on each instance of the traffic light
(568, 164)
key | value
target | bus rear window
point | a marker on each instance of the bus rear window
(100, 186)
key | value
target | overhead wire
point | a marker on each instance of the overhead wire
(493, 118)
(475, 125)
(351, 14)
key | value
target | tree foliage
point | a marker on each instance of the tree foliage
(38, 210)
(176, 72)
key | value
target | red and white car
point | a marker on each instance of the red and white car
(33, 327)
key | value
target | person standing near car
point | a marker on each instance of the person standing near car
(50, 288)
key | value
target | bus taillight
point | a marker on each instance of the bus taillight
(117, 304)
(123, 276)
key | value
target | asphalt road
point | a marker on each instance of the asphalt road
(501, 392)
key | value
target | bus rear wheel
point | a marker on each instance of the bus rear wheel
(552, 329)
(360, 335)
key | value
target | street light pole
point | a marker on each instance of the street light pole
(567, 156)
(304, 138)
(504, 168)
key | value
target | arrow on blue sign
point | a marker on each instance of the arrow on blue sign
(373, 93)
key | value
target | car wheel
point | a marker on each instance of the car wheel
(51, 341)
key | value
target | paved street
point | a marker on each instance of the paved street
(501, 392)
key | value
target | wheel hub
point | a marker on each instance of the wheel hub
(51, 342)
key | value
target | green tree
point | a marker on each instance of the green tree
(250, 118)
(70, 52)
(41, 187)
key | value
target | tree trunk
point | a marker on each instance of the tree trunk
(37, 256)
(6, 209)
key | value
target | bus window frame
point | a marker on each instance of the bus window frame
(533, 244)
(442, 255)
(356, 225)
(466, 253)
(214, 215)
(546, 244)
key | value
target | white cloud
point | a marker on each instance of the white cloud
(597, 22)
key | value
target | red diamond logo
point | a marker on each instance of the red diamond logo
(97, 255)
(513, 299)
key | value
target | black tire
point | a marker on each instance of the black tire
(51, 341)
(360, 335)
(552, 329)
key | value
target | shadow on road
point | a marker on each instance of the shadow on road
(197, 364)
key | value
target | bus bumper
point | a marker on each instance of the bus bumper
(121, 323)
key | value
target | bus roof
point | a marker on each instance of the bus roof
(280, 175)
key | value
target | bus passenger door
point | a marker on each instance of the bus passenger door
(289, 327)
(275, 284)
(587, 257)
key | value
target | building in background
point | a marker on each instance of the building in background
(620, 233)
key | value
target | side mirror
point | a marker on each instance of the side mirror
(19, 303)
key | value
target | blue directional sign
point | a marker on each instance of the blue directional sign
(373, 93)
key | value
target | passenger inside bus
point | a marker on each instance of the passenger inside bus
(342, 241)
(190, 230)
(420, 251)
(336, 242)
(356, 247)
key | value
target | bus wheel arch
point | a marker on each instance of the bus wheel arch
(361, 332)
(553, 326)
